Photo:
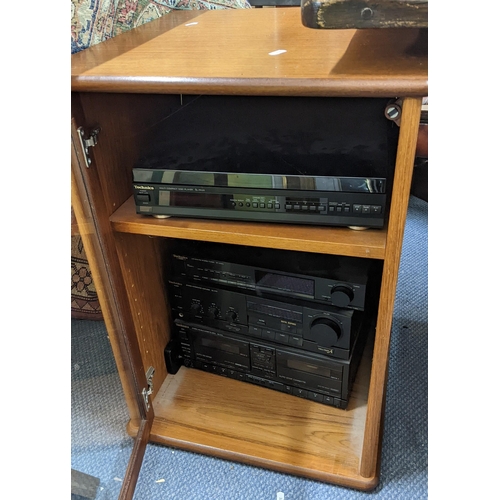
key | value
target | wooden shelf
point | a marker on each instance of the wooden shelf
(369, 243)
(210, 414)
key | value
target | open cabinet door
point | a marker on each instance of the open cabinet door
(98, 242)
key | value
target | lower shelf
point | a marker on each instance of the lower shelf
(214, 415)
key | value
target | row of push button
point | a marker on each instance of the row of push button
(271, 384)
(296, 391)
(367, 209)
(255, 204)
(306, 207)
(220, 370)
(315, 396)
(280, 337)
(356, 209)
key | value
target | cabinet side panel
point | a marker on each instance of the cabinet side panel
(401, 192)
(140, 261)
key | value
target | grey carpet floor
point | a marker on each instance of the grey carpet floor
(101, 447)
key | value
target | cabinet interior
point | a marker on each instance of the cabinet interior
(195, 410)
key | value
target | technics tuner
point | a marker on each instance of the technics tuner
(309, 160)
(324, 279)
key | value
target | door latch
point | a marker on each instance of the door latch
(393, 111)
(146, 392)
(90, 142)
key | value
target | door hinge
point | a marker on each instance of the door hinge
(146, 392)
(90, 142)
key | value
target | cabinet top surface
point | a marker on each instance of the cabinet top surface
(254, 51)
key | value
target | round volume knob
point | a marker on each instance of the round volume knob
(325, 332)
(196, 308)
(213, 312)
(231, 316)
(341, 296)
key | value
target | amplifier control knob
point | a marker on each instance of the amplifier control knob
(213, 312)
(341, 296)
(325, 332)
(231, 316)
(196, 308)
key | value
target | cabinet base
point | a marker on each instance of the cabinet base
(210, 414)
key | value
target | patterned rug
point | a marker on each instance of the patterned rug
(93, 21)
(84, 301)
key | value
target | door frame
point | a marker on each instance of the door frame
(97, 238)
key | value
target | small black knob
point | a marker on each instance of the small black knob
(213, 312)
(231, 316)
(196, 308)
(325, 332)
(341, 296)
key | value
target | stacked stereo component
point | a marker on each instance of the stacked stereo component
(294, 160)
(290, 321)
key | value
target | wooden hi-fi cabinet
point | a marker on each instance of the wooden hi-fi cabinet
(120, 91)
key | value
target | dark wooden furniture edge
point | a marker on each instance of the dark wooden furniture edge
(142, 437)
(348, 14)
(358, 482)
(322, 87)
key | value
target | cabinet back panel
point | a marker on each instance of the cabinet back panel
(125, 122)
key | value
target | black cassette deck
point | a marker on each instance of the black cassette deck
(281, 368)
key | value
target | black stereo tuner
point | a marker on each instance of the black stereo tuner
(300, 160)
(324, 279)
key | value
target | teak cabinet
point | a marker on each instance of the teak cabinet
(126, 85)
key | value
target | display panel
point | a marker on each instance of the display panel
(293, 284)
(303, 366)
(181, 199)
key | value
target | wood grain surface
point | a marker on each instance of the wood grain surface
(210, 414)
(124, 123)
(399, 205)
(106, 275)
(368, 243)
(253, 51)
(142, 270)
